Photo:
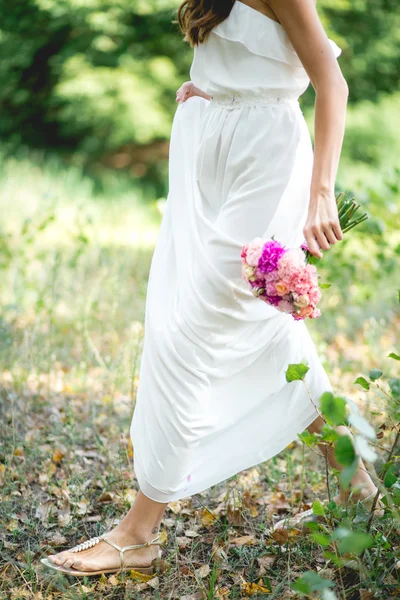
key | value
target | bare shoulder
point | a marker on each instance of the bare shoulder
(303, 26)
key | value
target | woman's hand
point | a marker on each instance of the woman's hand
(189, 90)
(322, 227)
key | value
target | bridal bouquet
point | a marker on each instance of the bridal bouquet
(284, 277)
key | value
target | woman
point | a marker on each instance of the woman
(213, 399)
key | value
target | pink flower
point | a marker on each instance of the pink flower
(314, 295)
(270, 288)
(244, 251)
(290, 263)
(254, 251)
(301, 281)
(316, 313)
(270, 256)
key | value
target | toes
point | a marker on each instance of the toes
(68, 563)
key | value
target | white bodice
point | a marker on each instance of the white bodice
(249, 53)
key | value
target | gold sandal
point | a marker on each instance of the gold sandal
(157, 565)
(307, 516)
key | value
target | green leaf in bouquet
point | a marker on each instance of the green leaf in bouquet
(374, 374)
(325, 286)
(296, 372)
(363, 382)
(394, 356)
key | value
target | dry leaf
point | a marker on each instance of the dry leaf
(154, 583)
(191, 533)
(281, 536)
(113, 580)
(44, 511)
(254, 588)
(244, 540)
(203, 571)
(106, 497)
(365, 595)
(57, 455)
(57, 539)
(235, 516)
(137, 576)
(196, 596)
(222, 592)
(207, 517)
(265, 562)
(183, 542)
(19, 451)
(175, 506)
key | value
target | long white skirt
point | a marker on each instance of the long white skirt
(212, 398)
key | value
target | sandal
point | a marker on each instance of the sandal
(157, 565)
(307, 516)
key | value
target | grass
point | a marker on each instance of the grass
(74, 272)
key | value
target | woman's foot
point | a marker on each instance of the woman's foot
(365, 494)
(103, 556)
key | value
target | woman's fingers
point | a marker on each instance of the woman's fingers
(330, 234)
(312, 243)
(184, 92)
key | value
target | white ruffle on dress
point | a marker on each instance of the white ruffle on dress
(213, 398)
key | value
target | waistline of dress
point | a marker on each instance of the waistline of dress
(236, 99)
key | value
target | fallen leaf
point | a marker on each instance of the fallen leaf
(222, 592)
(203, 571)
(44, 511)
(57, 539)
(137, 576)
(281, 536)
(207, 517)
(235, 516)
(106, 497)
(154, 583)
(57, 455)
(265, 562)
(175, 506)
(365, 595)
(183, 542)
(191, 533)
(196, 596)
(254, 588)
(244, 540)
(113, 580)
(19, 451)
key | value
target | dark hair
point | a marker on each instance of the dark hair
(197, 18)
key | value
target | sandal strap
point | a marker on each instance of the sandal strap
(122, 549)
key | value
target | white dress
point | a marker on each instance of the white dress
(212, 398)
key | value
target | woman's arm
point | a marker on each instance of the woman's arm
(305, 31)
(188, 90)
